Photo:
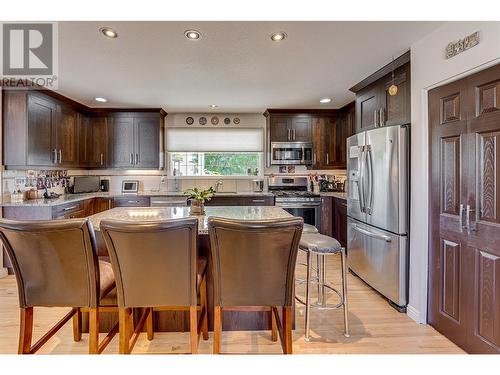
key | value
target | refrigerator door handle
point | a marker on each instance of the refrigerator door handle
(361, 185)
(369, 168)
(371, 234)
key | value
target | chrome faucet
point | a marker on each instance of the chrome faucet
(218, 185)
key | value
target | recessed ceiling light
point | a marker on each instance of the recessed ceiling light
(102, 100)
(213, 105)
(109, 32)
(325, 100)
(278, 37)
(192, 34)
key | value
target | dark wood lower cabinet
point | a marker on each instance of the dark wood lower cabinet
(464, 211)
(241, 201)
(334, 218)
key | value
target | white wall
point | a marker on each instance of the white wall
(430, 69)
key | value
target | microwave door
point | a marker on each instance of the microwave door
(355, 172)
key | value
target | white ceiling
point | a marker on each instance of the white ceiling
(234, 65)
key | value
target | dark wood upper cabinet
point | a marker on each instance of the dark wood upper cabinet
(41, 124)
(300, 129)
(134, 141)
(44, 129)
(279, 128)
(374, 106)
(147, 142)
(66, 140)
(289, 127)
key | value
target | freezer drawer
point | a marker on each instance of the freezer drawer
(380, 258)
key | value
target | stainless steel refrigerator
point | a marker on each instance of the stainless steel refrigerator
(377, 210)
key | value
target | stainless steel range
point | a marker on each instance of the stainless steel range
(293, 196)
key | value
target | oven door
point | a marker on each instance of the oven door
(311, 213)
(296, 153)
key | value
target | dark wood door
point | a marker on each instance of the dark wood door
(98, 142)
(84, 137)
(331, 141)
(397, 107)
(300, 129)
(279, 128)
(41, 124)
(367, 105)
(121, 142)
(66, 136)
(318, 140)
(339, 227)
(147, 142)
(464, 258)
(326, 216)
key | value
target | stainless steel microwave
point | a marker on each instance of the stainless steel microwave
(291, 153)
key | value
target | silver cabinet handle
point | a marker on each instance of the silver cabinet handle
(289, 134)
(302, 161)
(55, 155)
(131, 158)
(382, 116)
(70, 208)
(136, 159)
(375, 118)
(258, 200)
(369, 168)
(102, 158)
(468, 226)
(371, 234)
(314, 158)
(460, 218)
(60, 156)
(360, 182)
(327, 159)
(293, 134)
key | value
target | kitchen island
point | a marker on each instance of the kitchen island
(179, 320)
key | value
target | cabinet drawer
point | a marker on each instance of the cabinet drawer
(259, 201)
(67, 208)
(132, 202)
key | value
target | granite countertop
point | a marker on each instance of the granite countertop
(335, 194)
(137, 214)
(66, 198)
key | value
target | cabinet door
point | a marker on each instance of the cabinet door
(333, 134)
(367, 105)
(147, 142)
(397, 107)
(66, 136)
(279, 129)
(326, 216)
(84, 137)
(318, 139)
(301, 129)
(41, 123)
(340, 220)
(98, 142)
(121, 142)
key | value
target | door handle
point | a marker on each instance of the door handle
(289, 132)
(293, 134)
(327, 159)
(375, 118)
(468, 226)
(361, 191)
(371, 234)
(370, 179)
(314, 158)
(381, 116)
(102, 158)
(136, 159)
(131, 158)
(460, 218)
(60, 156)
(55, 155)
(302, 161)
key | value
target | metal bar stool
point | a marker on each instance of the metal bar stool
(323, 246)
(308, 228)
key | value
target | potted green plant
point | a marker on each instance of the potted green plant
(198, 199)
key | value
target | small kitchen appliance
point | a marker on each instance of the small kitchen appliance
(130, 186)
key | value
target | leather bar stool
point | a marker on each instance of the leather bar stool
(323, 246)
(55, 263)
(157, 268)
(253, 270)
(308, 228)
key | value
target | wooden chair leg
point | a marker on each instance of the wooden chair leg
(193, 329)
(25, 330)
(94, 330)
(217, 329)
(274, 326)
(77, 325)
(124, 323)
(203, 300)
(149, 325)
(287, 330)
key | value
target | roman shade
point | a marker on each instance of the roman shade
(215, 140)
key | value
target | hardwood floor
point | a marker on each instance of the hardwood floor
(375, 328)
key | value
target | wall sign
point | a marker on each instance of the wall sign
(454, 48)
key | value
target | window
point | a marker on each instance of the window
(215, 151)
(214, 163)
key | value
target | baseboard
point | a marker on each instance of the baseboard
(414, 314)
